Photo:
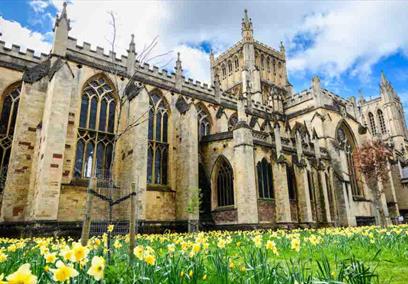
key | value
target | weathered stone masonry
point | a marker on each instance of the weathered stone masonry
(262, 155)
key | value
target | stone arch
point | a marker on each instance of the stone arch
(8, 118)
(204, 120)
(232, 121)
(222, 180)
(343, 124)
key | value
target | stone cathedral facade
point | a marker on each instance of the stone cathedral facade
(261, 155)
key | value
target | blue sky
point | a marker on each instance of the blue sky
(347, 44)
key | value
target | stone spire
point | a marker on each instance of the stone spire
(131, 58)
(246, 27)
(282, 49)
(212, 61)
(61, 29)
(179, 73)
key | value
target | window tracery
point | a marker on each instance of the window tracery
(265, 179)
(158, 148)
(382, 121)
(372, 123)
(7, 126)
(233, 120)
(94, 153)
(345, 139)
(204, 125)
(225, 184)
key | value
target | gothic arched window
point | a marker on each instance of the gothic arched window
(372, 123)
(232, 122)
(224, 70)
(262, 62)
(158, 149)
(382, 121)
(268, 64)
(346, 140)
(265, 180)
(7, 124)
(94, 153)
(310, 185)
(229, 66)
(225, 184)
(236, 63)
(204, 125)
(291, 178)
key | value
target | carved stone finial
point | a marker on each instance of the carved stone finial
(282, 47)
(132, 45)
(246, 27)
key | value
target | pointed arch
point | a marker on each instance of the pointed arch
(204, 120)
(373, 127)
(265, 179)
(346, 139)
(232, 121)
(158, 142)
(380, 115)
(223, 176)
(9, 102)
(96, 130)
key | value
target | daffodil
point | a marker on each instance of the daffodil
(150, 259)
(63, 272)
(295, 244)
(50, 258)
(79, 252)
(110, 228)
(97, 267)
(117, 244)
(22, 276)
(3, 257)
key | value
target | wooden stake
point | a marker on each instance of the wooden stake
(86, 227)
(132, 220)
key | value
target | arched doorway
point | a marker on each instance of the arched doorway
(205, 186)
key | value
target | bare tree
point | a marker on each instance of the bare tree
(372, 160)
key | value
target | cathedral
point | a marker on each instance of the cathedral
(258, 154)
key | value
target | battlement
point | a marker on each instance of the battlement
(298, 98)
(98, 52)
(228, 52)
(268, 49)
(18, 52)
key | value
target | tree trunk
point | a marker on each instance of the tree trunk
(373, 185)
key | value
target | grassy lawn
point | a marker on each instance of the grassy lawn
(335, 255)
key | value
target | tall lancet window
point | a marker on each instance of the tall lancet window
(158, 149)
(94, 152)
(225, 184)
(347, 142)
(382, 121)
(8, 111)
(265, 180)
(204, 125)
(372, 123)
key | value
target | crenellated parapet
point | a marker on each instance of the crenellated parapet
(18, 58)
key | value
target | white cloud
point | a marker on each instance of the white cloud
(39, 6)
(353, 38)
(347, 36)
(14, 33)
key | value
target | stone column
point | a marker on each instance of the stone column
(134, 145)
(280, 184)
(31, 104)
(52, 147)
(244, 175)
(325, 196)
(305, 207)
(187, 164)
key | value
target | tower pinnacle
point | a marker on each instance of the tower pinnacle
(246, 27)
(61, 29)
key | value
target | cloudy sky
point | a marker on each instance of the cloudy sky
(346, 43)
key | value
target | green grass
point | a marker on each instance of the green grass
(349, 255)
